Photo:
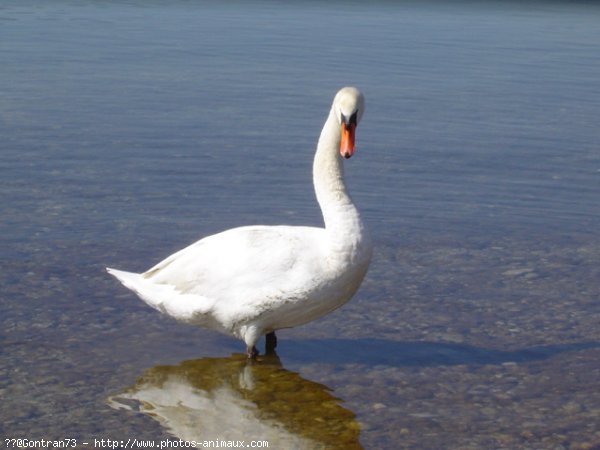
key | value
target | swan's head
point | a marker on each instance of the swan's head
(348, 107)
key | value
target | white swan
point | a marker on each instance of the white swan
(253, 280)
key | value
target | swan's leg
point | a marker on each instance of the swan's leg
(251, 352)
(251, 333)
(270, 342)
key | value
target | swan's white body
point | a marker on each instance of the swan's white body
(252, 280)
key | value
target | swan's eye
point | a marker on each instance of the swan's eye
(350, 120)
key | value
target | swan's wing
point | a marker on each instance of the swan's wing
(244, 263)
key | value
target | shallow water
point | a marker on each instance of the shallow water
(130, 129)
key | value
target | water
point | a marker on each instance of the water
(131, 129)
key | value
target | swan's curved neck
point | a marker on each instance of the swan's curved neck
(342, 220)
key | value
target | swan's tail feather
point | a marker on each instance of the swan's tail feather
(164, 297)
(135, 282)
(128, 279)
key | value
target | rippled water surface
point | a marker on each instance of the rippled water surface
(131, 129)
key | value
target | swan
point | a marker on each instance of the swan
(250, 281)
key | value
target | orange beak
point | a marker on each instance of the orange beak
(347, 141)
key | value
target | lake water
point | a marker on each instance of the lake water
(131, 129)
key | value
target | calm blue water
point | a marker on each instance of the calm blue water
(130, 129)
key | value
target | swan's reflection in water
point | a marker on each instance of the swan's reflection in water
(233, 399)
